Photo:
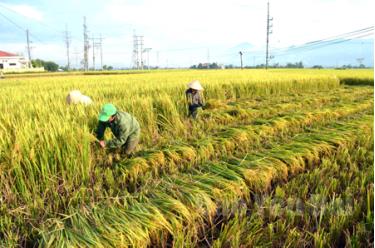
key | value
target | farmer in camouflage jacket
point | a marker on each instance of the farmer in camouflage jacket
(124, 127)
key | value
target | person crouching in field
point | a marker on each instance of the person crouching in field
(76, 97)
(194, 97)
(124, 127)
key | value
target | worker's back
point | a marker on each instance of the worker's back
(124, 122)
(76, 97)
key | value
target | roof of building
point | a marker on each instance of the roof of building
(6, 54)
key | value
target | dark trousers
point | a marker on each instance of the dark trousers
(130, 144)
(193, 111)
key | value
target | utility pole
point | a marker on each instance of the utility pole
(241, 53)
(269, 31)
(67, 42)
(28, 48)
(86, 46)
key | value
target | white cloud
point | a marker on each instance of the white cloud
(222, 22)
(296, 22)
(174, 24)
(27, 11)
(178, 24)
(194, 21)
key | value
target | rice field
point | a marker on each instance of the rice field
(278, 158)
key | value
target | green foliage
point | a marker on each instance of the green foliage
(48, 65)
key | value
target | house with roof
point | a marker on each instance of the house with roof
(10, 61)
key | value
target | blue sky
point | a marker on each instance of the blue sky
(180, 32)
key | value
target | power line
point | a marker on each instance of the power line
(15, 24)
(322, 45)
(58, 32)
(361, 33)
(305, 47)
(345, 37)
(21, 28)
(344, 34)
(324, 41)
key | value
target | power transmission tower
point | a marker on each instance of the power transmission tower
(269, 31)
(137, 51)
(157, 59)
(28, 48)
(360, 61)
(101, 52)
(76, 53)
(147, 50)
(97, 43)
(86, 46)
(208, 58)
(141, 50)
(241, 53)
(93, 54)
(67, 42)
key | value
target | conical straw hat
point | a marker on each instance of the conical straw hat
(195, 85)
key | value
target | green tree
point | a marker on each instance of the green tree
(37, 63)
(51, 66)
(48, 65)
(317, 67)
(107, 68)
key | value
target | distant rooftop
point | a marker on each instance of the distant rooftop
(6, 54)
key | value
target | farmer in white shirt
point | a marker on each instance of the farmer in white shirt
(76, 97)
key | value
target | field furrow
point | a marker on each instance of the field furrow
(230, 141)
(180, 205)
(328, 206)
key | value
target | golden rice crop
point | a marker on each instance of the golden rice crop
(59, 189)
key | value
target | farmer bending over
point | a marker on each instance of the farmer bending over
(124, 127)
(76, 97)
(194, 97)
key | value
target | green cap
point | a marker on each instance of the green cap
(107, 111)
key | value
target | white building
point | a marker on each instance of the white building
(10, 61)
